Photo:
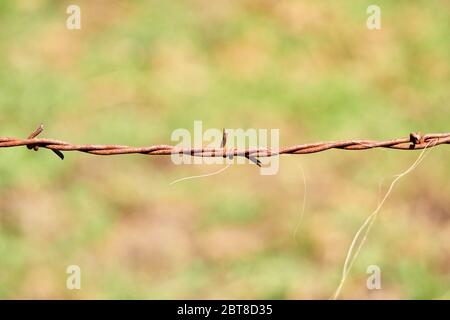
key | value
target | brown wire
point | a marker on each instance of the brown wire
(415, 141)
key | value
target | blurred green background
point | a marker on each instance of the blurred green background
(137, 70)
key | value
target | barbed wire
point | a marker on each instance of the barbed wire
(415, 141)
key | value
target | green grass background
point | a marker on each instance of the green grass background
(137, 70)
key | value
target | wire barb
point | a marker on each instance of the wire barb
(415, 138)
(35, 147)
(33, 135)
(415, 141)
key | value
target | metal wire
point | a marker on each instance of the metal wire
(415, 141)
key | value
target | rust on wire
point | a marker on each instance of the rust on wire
(415, 141)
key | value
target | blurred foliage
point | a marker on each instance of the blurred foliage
(137, 70)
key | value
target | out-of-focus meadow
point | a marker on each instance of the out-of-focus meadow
(137, 70)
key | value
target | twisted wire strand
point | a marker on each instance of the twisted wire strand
(415, 141)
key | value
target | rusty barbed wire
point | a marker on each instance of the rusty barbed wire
(415, 141)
